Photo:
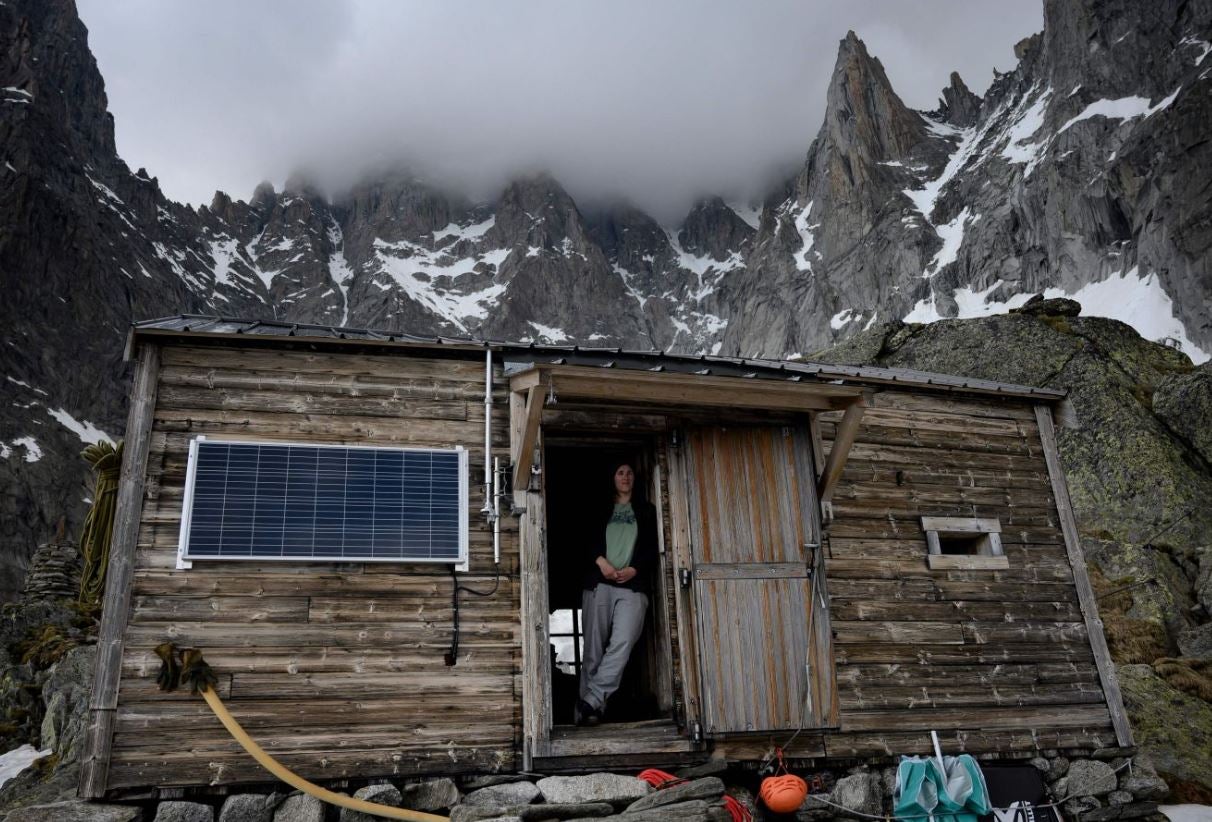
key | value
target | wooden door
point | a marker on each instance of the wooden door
(762, 617)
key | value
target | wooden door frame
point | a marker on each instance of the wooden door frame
(537, 710)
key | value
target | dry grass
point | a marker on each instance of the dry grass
(1191, 676)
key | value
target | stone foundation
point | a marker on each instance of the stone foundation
(1098, 786)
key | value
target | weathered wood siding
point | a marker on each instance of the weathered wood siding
(993, 660)
(336, 669)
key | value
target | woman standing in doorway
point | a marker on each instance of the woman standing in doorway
(623, 550)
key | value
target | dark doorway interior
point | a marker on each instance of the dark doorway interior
(578, 485)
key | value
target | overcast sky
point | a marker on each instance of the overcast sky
(656, 101)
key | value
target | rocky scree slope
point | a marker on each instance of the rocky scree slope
(1085, 170)
(1137, 462)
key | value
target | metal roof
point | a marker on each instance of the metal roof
(198, 325)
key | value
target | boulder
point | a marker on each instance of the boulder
(1119, 798)
(430, 795)
(380, 794)
(1181, 752)
(709, 788)
(546, 811)
(184, 812)
(696, 810)
(1088, 777)
(1057, 307)
(616, 789)
(249, 807)
(1196, 642)
(1184, 401)
(75, 810)
(1138, 810)
(65, 695)
(1142, 781)
(859, 792)
(300, 807)
(508, 793)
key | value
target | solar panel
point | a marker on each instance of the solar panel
(303, 502)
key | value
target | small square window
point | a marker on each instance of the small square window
(963, 543)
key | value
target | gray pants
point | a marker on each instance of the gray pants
(612, 619)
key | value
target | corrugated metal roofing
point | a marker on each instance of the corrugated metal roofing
(190, 324)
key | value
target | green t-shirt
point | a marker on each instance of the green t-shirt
(621, 532)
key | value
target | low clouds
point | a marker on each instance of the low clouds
(658, 102)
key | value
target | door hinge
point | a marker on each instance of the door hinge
(696, 732)
(684, 577)
(676, 439)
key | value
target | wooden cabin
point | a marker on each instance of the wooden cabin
(851, 556)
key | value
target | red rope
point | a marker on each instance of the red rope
(660, 779)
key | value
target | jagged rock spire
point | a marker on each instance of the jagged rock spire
(959, 106)
(863, 114)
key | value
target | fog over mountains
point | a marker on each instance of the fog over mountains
(1085, 171)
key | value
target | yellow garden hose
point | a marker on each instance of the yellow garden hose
(291, 778)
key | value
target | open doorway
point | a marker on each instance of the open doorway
(578, 484)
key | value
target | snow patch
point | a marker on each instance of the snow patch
(940, 129)
(807, 238)
(548, 332)
(627, 277)
(1018, 148)
(24, 384)
(752, 215)
(338, 268)
(18, 759)
(86, 431)
(33, 452)
(1123, 108)
(1128, 297)
(952, 235)
(1203, 45)
(843, 317)
(467, 232)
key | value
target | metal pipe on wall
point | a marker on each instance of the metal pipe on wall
(490, 508)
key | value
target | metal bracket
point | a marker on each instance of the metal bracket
(696, 732)
(684, 577)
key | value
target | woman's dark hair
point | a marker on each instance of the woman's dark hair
(637, 490)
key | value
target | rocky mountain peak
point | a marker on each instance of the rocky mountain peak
(538, 208)
(263, 196)
(714, 230)
(959, 106)
(864, 117)
(44, 51)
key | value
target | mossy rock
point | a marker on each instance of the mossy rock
(1184, 403)
(1180, 750)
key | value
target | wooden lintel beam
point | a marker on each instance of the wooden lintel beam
(527, 437)
(847, 430)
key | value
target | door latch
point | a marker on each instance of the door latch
(684, 577)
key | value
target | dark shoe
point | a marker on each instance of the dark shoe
(587, 715)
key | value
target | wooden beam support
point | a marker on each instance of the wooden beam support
(1081, 579)
(671, 388)
(115, 608)
(526, 438)
(847, 431)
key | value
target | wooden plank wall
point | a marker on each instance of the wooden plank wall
(336, 669)
(993, 660)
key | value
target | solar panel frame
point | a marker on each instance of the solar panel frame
(185, 558)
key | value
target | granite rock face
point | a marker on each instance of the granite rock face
(1087, 163)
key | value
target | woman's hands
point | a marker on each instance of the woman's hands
(608, 570)
(619, 575)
